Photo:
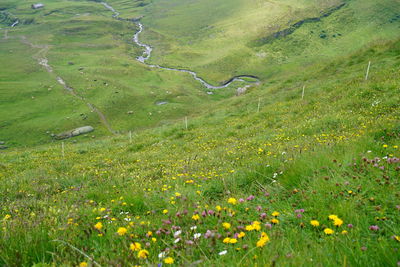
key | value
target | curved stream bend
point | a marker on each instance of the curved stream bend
(147, 53)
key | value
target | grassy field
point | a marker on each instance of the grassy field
(262, 179)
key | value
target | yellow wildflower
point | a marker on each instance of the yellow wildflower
(165, 211)
(218, 208)
(135, 246)
(143, 254)
(249, 228)
(83, 264)
(275, 221)
(122, 231)
(226, 225)
(328, 231)
(196, 217)
(98, 226)
(344, 232)
(232, 241)
(241, 234)
(8, 216)
(226, 240)
(232, 201)
(275, 214)
(169, 260)
(314, 223)
(333, 217)
(263, 240)
(337, 222)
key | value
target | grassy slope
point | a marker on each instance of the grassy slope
(314, 146)
(306, 154)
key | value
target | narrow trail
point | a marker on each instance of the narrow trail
(5, 34)
(40, 56)
(147, 54)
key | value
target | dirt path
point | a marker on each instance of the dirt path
(42, 60)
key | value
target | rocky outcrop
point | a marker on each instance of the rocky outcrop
(75, 132)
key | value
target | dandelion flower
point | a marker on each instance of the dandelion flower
(135, 246)
(143, 254)
(263, 240)
(232, 241)
(241, 235)
(98, 226)
(275, 221)
(196, 217)
(122, 231)
(232, 201)
(169, 260)
(344, 232)
(314, 223)
(83, 264)
(8, 216)
(165, 211)
(275, 214)
(328, 231)
(249, 227)
(337, 222)
(333, 217)
(226, 225)
(226, 240)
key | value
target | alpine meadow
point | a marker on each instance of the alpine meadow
(199, 133)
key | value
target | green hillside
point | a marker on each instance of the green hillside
(302, 169)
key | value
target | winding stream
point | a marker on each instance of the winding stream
(15, 24)
(147, 53)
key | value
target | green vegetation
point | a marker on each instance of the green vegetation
(250, 182)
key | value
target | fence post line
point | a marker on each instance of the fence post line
(62, 149)
(366, 75)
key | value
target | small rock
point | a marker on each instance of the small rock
(75, 132)
(70, 63)
(3, 147)
(130, 112)
(2, 142)
(159, 103)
